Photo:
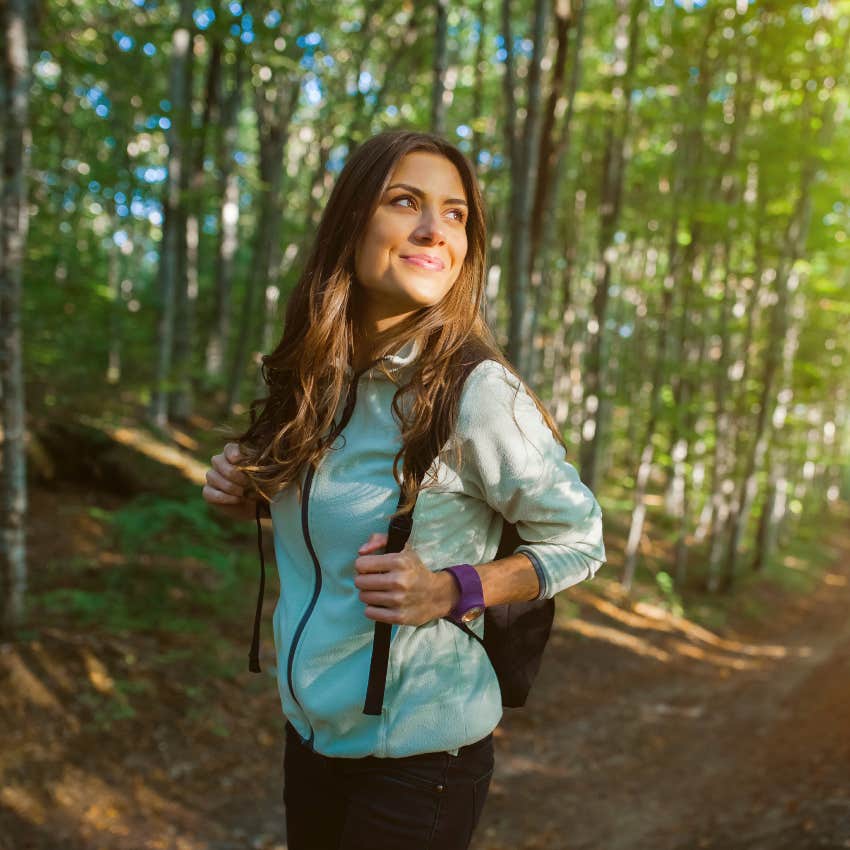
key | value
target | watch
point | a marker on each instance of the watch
(471, 602)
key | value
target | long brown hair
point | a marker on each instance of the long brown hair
(306, 372)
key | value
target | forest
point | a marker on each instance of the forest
(667, 188)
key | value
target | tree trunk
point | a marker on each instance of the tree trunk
(478, 119)
(646, 458)
(794, 243)
(693, 366)
(658, 377)
(738, 373)
(727, 189)
(116, 310)
(550, 155)
(561, 377)
(16, 19)
(773, 502)
(512, 155)
(438, 85)
(765, 534)
(497, 255)
(228, 222)
(174, 229)
(613, 170)
(554, 155)
(182, 401)
(695, 192)
(320, 182)
(271, 330)
(275, 106)
(525, 150)
(795, 239)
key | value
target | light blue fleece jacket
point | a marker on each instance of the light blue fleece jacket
(441, 690)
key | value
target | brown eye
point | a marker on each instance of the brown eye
(461, 215)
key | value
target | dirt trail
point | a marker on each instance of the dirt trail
(699, 742)
(644, 732)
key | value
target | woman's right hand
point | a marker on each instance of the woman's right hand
(225, 487)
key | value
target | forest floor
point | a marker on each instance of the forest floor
(645, 731)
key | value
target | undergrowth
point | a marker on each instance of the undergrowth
(166, 566)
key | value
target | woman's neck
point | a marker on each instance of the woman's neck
(366, 330)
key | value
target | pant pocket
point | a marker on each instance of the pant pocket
(463, 803)
(390, 808)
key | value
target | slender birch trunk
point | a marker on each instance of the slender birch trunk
(613, 172)
(17, 27)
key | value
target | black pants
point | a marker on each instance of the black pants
(423, 802)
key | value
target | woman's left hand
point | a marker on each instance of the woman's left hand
(398, 588)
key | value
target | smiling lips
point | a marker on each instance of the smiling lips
(425, 262)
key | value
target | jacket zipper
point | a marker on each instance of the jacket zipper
(305, 530)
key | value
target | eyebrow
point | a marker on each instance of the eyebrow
(421, 194)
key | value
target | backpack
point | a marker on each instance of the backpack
(515, 633)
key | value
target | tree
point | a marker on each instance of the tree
(17, 20)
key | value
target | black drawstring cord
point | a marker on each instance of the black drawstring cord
(254, 656)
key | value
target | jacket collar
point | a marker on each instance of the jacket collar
(394, 363)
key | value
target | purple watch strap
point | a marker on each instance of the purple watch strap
(471, 591)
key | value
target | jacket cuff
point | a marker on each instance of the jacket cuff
(560, 566)
(538, 568)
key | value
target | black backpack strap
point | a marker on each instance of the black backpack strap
(254, 655)
(399, 531)
(378, 669)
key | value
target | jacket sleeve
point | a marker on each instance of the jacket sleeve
(511, 460)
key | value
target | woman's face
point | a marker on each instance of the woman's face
(414, 245)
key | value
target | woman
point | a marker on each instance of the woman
(366, 391)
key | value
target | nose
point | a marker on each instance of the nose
(429, 227)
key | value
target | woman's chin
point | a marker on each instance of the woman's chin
(401, 302)
(412, 301)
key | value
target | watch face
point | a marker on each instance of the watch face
(471, 614)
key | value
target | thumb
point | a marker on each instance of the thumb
(376, 541)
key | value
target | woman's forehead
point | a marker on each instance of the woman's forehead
(432, 173)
